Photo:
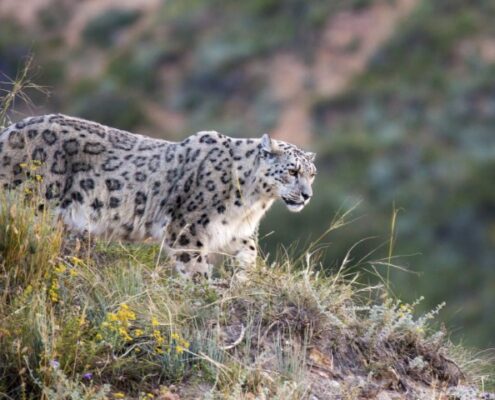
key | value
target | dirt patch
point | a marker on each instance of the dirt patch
(288, 77)
(26, 14)
(348, 41)
(482, 47)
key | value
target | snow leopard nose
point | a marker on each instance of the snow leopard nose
(305, 196)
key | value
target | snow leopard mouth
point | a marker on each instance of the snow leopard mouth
(290, 202)
(292, 205)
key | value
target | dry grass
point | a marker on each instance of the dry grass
(85, 320)
(17, 90)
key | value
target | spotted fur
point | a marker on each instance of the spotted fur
(203, 195)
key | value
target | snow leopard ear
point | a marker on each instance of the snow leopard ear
(310, 156)
(268, 145)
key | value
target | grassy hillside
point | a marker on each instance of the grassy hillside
(85, 319)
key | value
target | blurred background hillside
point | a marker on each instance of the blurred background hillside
(397, 97)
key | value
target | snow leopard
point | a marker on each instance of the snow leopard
(203, 195)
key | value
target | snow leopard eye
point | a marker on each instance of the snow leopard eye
(293, 172)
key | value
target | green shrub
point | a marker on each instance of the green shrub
(102, 30)
(111, 107)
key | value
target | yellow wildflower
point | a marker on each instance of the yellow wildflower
(119, 395)
(112, 317)
(158, 337)
(120, 321)
(60, 268)
(138, 332)
(123, 332)
(154, 322)
(53, 291)
(77, 261)
(126, 314)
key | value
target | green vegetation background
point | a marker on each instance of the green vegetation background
(413, 132)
